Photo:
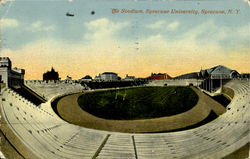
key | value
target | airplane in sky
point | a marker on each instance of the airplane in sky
(69, 14)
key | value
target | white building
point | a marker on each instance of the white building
(219, 72)
(129, 78)
(107, 76)
(86, 78)
(10, 77)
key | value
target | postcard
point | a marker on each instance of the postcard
(124, 79)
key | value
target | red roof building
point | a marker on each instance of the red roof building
(160, 76)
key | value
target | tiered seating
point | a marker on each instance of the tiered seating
(118, 146)
(51, 88)
(45, 134)
(174, 82)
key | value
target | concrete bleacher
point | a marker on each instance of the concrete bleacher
(175, 82)
(48, 89)
(44, 134)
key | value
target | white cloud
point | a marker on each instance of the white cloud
(207, 36)
(173, 26)
(156, 25)
(8, 23)
(171, 55)
(168, 53)
(245, 0)
(190, 40)
(40, 26)
(103, 28)
(212, 33)
(5, 1)
(164, 25)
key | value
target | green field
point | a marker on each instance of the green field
(138, 103)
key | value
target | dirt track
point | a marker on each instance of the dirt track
(70, 111)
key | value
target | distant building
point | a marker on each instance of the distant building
(218, 72)
(107, 76)
(68, 78)
(10, 77)
(98, 77)
(86, 78)
(51, 75)
(245, 75)
(159, 76)
(129, 78)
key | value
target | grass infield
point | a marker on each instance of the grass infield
(139, 103)
(69, 110)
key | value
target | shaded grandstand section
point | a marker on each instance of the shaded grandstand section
(54, 105)
(30, 95)
(224, 96)
(222, 100)
(228, 93)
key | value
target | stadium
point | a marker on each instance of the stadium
(43, 119)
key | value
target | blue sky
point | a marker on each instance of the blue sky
(40, 29)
